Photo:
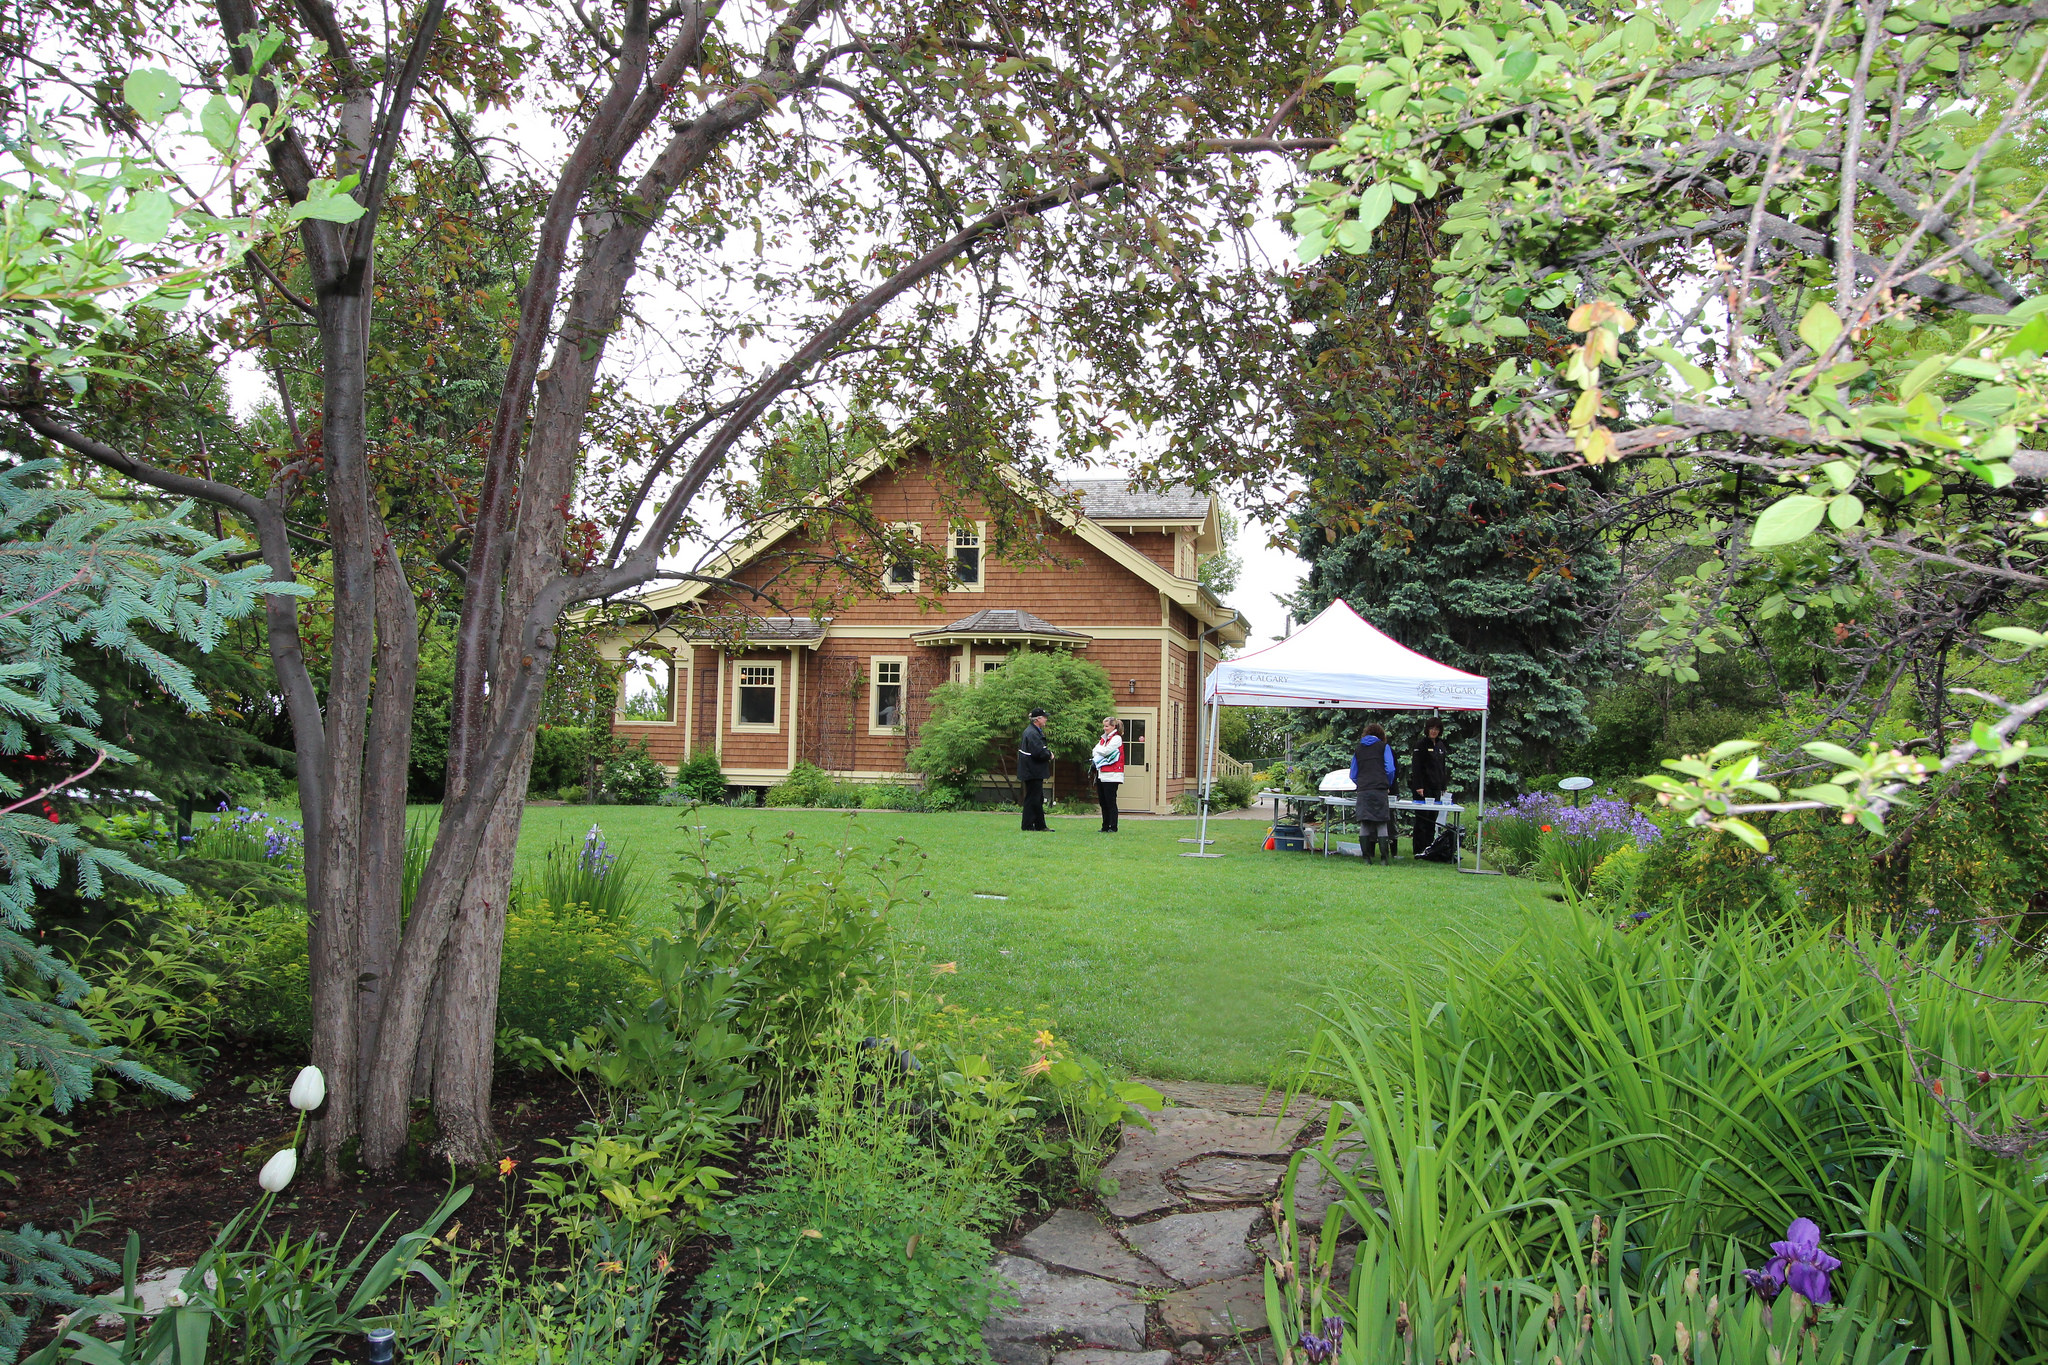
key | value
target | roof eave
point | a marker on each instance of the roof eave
(999, 637)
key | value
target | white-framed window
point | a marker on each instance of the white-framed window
(886, 695)
(647, 689)
(985, 664)
(1174, 712)
(969, 567)
(1180, 672)
(900, 575)
(757, 700)
(958, 664)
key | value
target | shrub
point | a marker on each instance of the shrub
(571, 795)
(806, 785)
(974, 726)
(1618, 879)
(564, 966)
(700, 778)
(632, 778)
(879, 1230)
(1713, 878)
(843, 795)
(888, 796)
(1233, 791)
(563, 756)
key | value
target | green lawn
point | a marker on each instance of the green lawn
(1167, 966)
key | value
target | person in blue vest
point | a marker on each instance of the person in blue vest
(1372, 780)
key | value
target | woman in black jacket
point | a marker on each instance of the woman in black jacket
(1431, 769)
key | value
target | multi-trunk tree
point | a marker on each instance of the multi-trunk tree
(947, 212)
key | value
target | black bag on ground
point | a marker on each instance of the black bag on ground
(1443, 848)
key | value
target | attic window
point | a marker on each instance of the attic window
(967, 555)
(901, 574)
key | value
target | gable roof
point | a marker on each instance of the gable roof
(1197, 599)
(1118, 500)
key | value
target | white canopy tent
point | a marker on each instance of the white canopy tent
(1339, 660)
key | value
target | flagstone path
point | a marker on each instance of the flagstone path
(1174, 1271)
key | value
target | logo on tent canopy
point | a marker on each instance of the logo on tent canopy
(1447, 689)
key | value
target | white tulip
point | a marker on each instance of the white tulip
(279, 1170)
(309, 1091)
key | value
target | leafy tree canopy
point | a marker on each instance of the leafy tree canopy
(1797, 255)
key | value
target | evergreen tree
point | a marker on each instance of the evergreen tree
(1423, 523)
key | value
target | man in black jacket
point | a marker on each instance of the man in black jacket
(1034, 765)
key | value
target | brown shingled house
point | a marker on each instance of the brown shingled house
(849, 692)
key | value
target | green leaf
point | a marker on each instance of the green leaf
(1820, 327)
(217, 120)
(1505, 326)
(1923, 374)
(327, 201)
(1833, 753)
(2019, 635)
(1743, 830)
(1827, 793)
(1518, 67)
(1787, 520)
(1375, 204)
(152, 93)
(1696, 378)
(2018, 313)
(1345, 75)
(145, 219)
(1845, 511)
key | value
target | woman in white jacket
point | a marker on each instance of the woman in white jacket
(1108, 758)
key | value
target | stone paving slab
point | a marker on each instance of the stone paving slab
(1081, 1307)
(1222, 1308)
(1143, 1159)
(1096, 1357)
(1315, 1189)
(1073, 1240)
(1237, 1099)
(1196, 1248)
(1229, 1180)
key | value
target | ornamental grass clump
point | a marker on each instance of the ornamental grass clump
(1706, 1086)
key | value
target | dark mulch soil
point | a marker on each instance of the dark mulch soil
(174, 1173)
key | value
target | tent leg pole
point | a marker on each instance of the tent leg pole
(1205, 776)
(1479, 820)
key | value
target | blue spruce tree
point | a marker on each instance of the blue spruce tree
(77, 574)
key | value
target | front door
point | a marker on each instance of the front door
(1141, 787)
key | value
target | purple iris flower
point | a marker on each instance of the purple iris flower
(1319, 1349)
(1798, 1262)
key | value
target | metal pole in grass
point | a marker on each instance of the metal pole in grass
(1479, 839)
(1208, 771)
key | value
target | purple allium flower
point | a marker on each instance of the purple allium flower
(1799, 1262)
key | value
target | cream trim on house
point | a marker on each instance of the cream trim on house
(890, 583)
(877, 666)
(757, 674)
(980, 548)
